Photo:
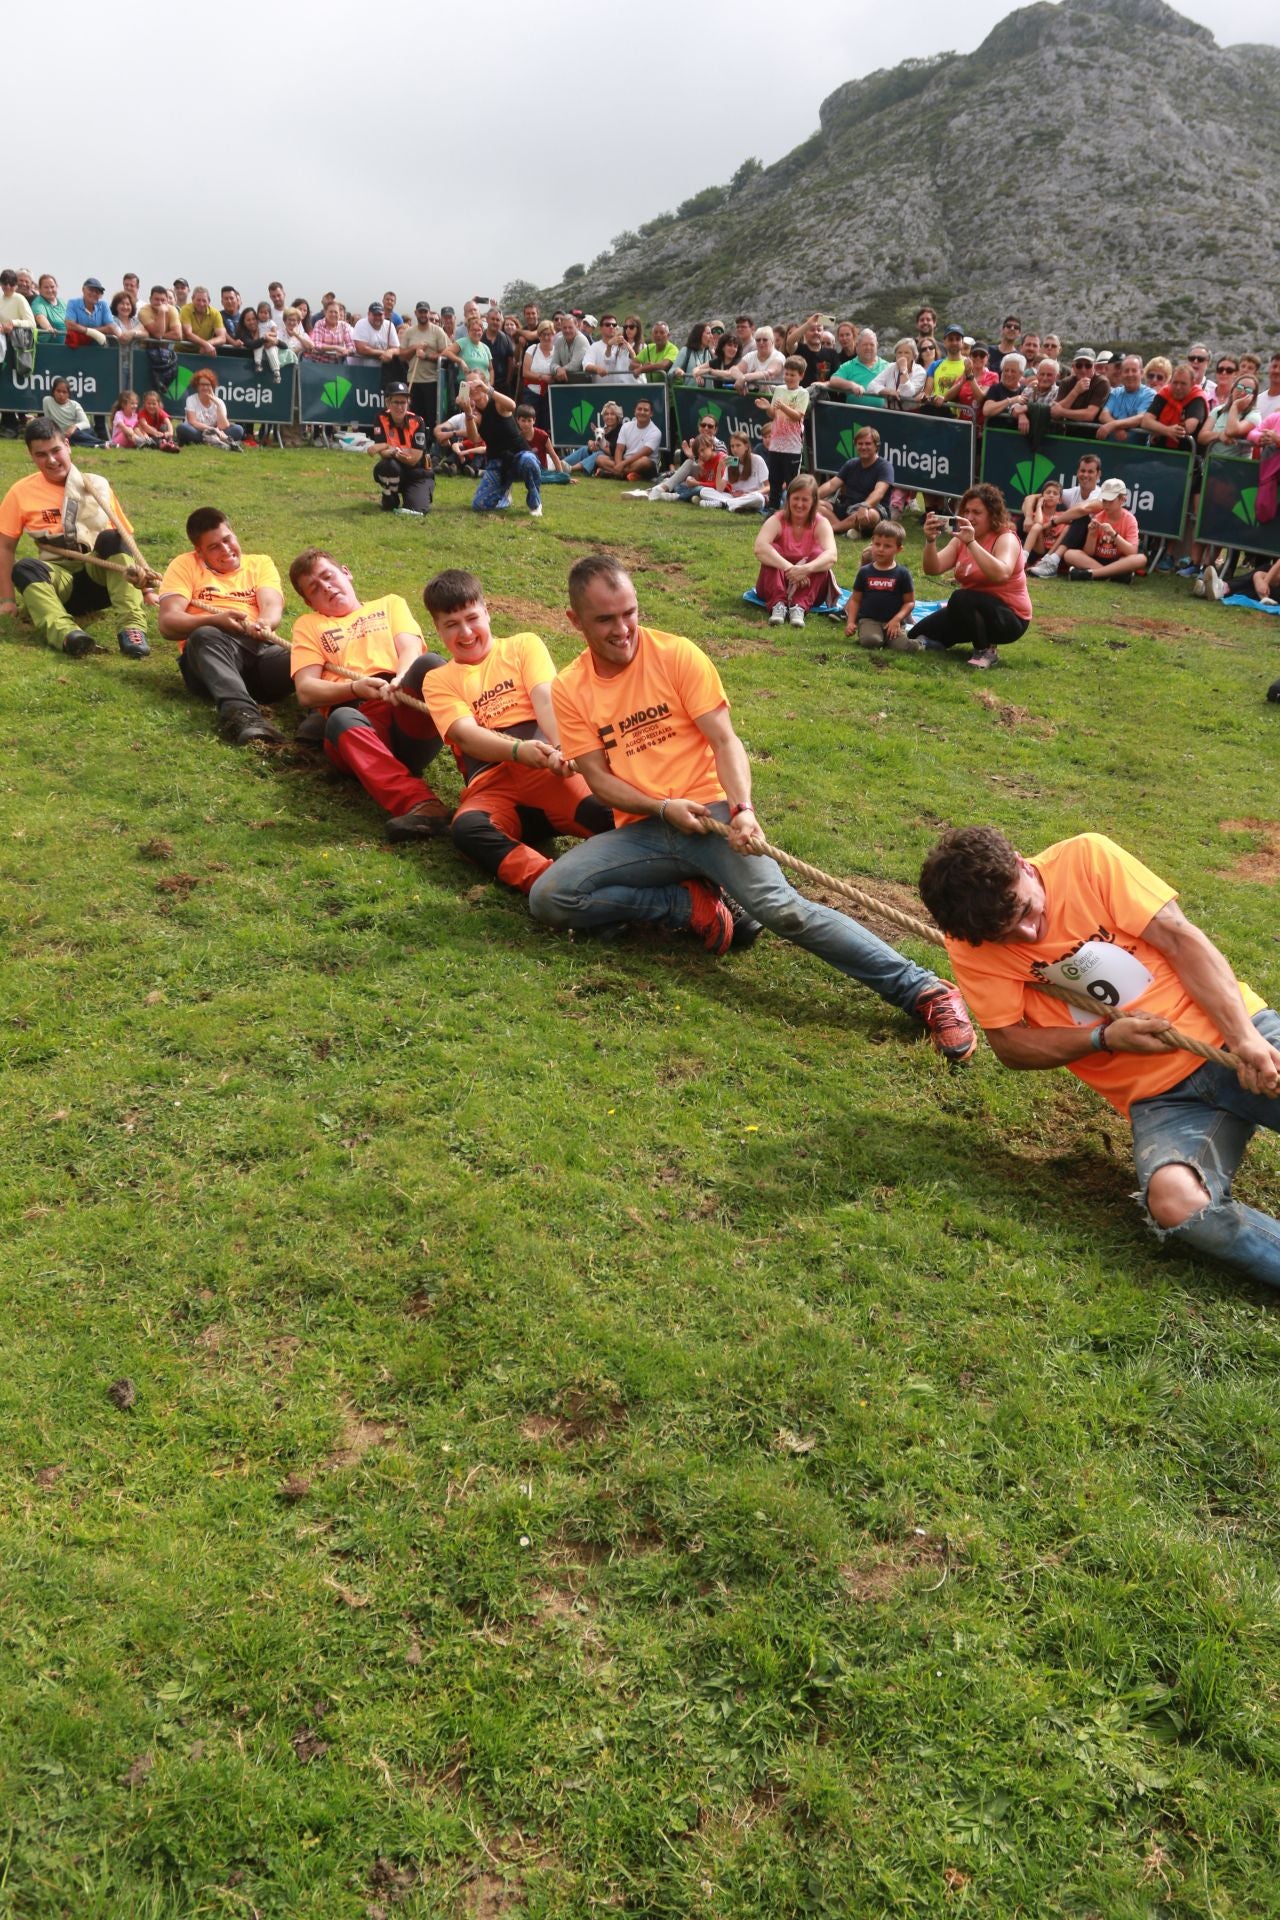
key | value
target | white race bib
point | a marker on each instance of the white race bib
(1106, 972)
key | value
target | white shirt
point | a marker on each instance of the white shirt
(613, 362)
(751, 367)
(637, 439)
(368, 336)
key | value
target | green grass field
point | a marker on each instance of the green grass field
(615, 1431)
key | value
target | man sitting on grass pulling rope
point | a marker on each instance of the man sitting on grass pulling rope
(347, 660)
(222, 607)
(1086, 914)
(77, 524)
(646, 720)
(492, 703)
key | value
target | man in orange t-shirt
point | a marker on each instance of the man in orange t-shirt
(644, 717)
(1086, 914)
(223, 607)
(492, 704)
(54, 591)
(366, 731)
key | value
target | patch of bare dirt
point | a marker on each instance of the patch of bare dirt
(357, 1437)
(635, 559)
(179, 883)
(488, 1894)
(892, 892)
(1261, 862)
(1015, 719)
(867, 1581)
(531, 614)
(157, 849)
(308, 1745)
(580, 1415)
(50, 1476)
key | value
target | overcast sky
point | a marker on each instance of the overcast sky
(442, 154)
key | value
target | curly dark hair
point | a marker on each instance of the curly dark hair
(969, 882)
(994, 502)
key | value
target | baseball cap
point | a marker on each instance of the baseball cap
(589, 320)
(375, 306)
(95, 286)
(1114, 489)
(979, 346)
(948, 331)
(422, 306)
(396, 391)
(448, 310)
(1101, 359)
(1084, 353)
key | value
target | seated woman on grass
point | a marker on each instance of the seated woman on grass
(206, 419)
(990, 607)
(704, 466)
(604, 439)
(67, 415)
(746, 481)
(797, 551)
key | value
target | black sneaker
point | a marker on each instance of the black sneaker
(1273, 692)
(78, 643)
(132, 642)
(746, 931)
(243, 725)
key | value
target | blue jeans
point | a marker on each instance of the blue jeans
(634, 874)
(501, 471)
(584, 457)
(1205, 1123)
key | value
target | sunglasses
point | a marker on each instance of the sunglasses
(1226, 366)
(1199, 356)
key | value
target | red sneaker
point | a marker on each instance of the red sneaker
(710, 919)
(946, 1017)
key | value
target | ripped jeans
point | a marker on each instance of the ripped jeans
(1205, 1123)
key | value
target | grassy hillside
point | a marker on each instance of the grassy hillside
(615, 1431)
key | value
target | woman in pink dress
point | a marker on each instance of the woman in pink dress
(796, 549)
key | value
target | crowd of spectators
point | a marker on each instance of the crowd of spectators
(1021, 378)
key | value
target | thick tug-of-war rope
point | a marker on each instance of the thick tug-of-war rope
(137, 570)
(925, 930)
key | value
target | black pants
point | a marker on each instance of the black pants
(783, 468)
(412, 487)
(973, 619)
(423, 395)
(232, 672)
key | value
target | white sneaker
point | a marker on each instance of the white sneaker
(535, 513)
(1197, 587)
(654, 493)
(777, 615)
(1046, 568)
(796, 616)
(713, 504)
(1214, 585)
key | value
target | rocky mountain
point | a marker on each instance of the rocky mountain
(1099, 166)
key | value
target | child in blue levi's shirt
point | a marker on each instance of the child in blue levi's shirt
(883, 595)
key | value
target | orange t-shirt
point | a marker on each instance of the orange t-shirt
(364, 641)
(496, 692)
(204, 590)
(1098, 900)
(34, 505)
(645, 718)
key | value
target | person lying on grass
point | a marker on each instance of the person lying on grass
(492, 705)
(1086, 914)
(644, 716)
(385, 745)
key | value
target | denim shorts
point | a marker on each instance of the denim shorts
(1206, 1121)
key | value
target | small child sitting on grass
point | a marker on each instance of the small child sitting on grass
(883, 595)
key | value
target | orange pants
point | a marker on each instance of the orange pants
(507, 806)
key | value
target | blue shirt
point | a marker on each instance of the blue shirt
(80, 315)
(1123, 405)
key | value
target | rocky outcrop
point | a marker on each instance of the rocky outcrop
(1101, 166)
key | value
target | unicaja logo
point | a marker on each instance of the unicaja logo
(334, 392)
(1030, 475)
(581, 417)
(1246, 507)
(81, 384)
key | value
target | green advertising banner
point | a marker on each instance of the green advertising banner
(1229, 506)
(335, 395)
(245, 393)
(925, 450)
(1158, 478)
(95, 375)
(575, 409)
(734, 412)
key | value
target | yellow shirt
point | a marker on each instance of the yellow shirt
(364, 640)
